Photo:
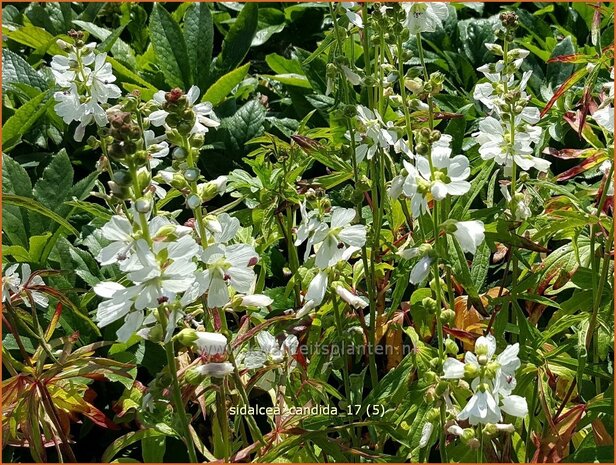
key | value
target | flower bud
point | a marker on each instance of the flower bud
(422, 149)
(191, 174)
(193, 201)
(143, 205)
(430, 376)
(196, 140)
(186, 336)
(482, 359)
(468, 434)
(448, 316)
(451, 347)
(429, 304)
(430, 395)
(433, 415)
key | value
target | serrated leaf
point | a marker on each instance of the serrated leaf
(221, 88)
(33, 205)
(23, 119)
(17, 70)
(170, 48)
(199, 37)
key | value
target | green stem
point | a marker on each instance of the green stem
(176, 392)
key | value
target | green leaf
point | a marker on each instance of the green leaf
(17, 70)
(170, 48)
(124, 441)
(221, 88)
(480, 266)
(15, 180)
(55, 184)
(296, 80)
(23, 119)
(237, 42)
(558, 72)
(33, 205)
(34, 37)
(245, 124)
(199, 38)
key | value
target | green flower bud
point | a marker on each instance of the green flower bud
(429, 304)
(196, 140)
(433, 415)
(179, 153)
(191, 174)
(448, 316)
(422, 149)
(186, 337)
(143, 205)
(140, 157)
(467, 435)
(451, 347)
(193, 201)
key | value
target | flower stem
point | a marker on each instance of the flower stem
(176, 392)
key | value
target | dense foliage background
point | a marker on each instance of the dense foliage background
(266, 69)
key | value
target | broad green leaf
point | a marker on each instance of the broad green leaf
(296, 80)
(56, 182)
(199, 37)
(170, 47)
(558, 72)
(34, 37)
(245, 124)
(239, 38)
(23, 119)
(223, 86)
(17, 70)
(33, 205)
(15, 180)
(124, 441)
(282, 65)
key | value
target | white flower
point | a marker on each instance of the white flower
(215, 370)
(100, 80)
(225, 267)
(424, 17)
(256, 300)
(520, 209)
(163, 282)
(375, 130)
(494, 141)
(352, 299)
(156, 146)
(605, 169)
(481, 408)
(493, 383)
(469, 234)
(317, 288)
(211, 343)
(426, 434)
(421, 270)
(354, 18)
(515, 405)
(69, 104)
(605, 118)
(336, 241)
(14, 284)
(269, 350)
